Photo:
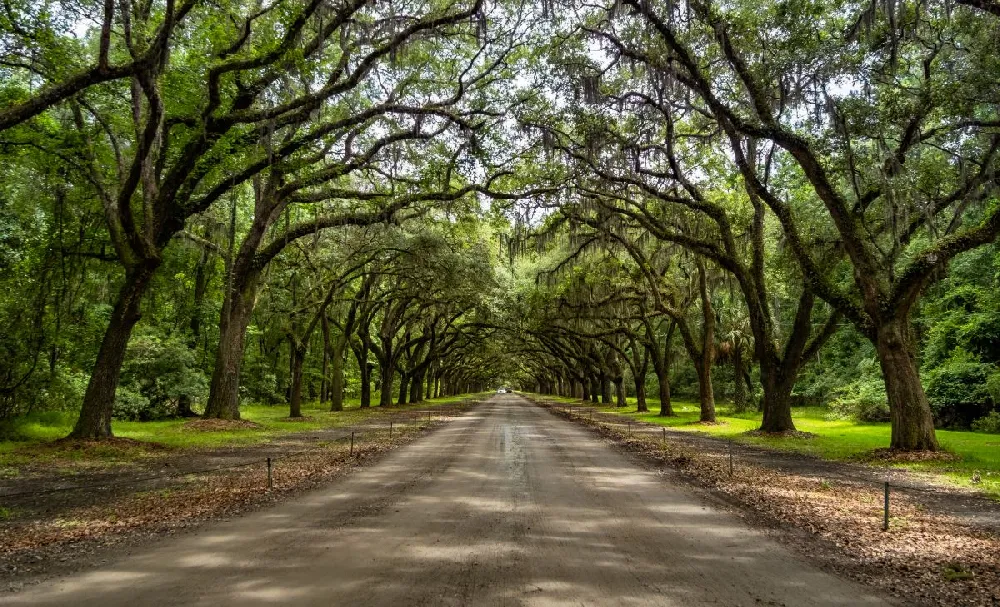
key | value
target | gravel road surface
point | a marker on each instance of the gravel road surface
(507, 505)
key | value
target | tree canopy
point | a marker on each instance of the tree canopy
(204, 204)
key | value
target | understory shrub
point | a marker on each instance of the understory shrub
(863, 399)
(132, 406)
(957, 389)
(989, 423)
(158, 371)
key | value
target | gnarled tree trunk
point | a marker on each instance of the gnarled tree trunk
(99, 399)
(912, 421)
(777, 398)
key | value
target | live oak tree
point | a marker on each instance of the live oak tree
(572, 196)
(870, 133)
(181, 158)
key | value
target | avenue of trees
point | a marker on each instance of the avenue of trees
(206, 204)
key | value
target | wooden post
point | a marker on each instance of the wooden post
(885, 518)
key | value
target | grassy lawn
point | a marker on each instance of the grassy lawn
(25, 441)
(835, 439)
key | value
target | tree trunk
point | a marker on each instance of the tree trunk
(586, 389)
(324, 383)
(909, 410)
(99, 399)
(366, 384)
(595, 389)
(662, 369)
(224, 393)
(663, 382)
(777, 396)
(605, 390)
(640, 395)
(385, 385)
(298, 356)
(620, 400)
(706, 394)
(404, 388)
(417, 387)
(337, 375)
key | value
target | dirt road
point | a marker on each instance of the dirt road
(508, 505)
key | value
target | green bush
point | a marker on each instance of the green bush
(863, 399)
(993, 386)
(157, 373)
(957, 389)
(990, 423)
(132, 406)
(64, 391)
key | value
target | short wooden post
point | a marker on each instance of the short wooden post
(269, 483)
(352, 442)
(885, 517)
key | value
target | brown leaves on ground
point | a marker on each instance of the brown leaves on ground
(924, 557)
(197, 497)
(221, 425)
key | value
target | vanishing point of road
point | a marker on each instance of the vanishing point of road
(507, 505)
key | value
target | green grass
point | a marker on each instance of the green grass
(836, 439)
(27, 437)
